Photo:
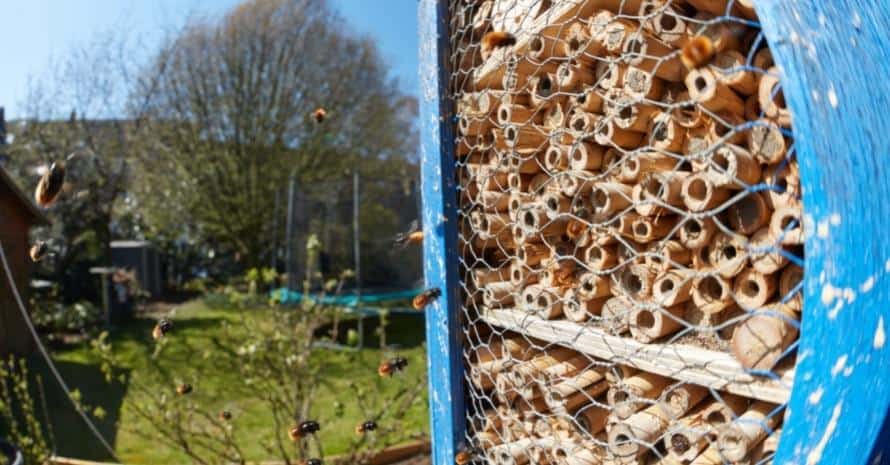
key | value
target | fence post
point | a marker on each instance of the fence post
(446, 395)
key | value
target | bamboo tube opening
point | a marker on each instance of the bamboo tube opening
(700, 194)
(785, 225)
(791, 276)
(749, 214)
(644, 319)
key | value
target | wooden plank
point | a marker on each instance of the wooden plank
(717, 370)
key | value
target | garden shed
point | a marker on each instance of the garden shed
(18, 214)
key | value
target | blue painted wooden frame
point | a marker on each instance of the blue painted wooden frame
(835, 60)
(440, 251)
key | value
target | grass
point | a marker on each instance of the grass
(195, 327)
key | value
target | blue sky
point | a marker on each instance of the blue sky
(35, 31)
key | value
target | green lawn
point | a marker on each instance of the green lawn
(195, 326)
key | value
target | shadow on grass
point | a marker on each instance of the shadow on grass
(71, 436)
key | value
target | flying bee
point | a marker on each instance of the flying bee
(697, 52)
(225, 415)
(365, 427)
(414, 235)
(496, 39)
(392, 366)
(161, 329)
(319, 114)
(425, 298)
(303, 429)
(183, 389)
(38, 251)
(311, 462)
(50, 185)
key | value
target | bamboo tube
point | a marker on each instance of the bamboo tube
(585, 156)
(771, 99)
(712, 94)
(668, 254)
(554, 117)
(650, 229)
(711, 293)
(612, 36)
(541, 302)
(647, 53)
(700, 193)
(517, 182)
(590, 100)
(535, 221)
(532, 254)
(631, 437)
(484, 276)
(685, 439)
(749, 214)
(766, 142)
(580, 310)
(591, 419)
(578, 230)
(487, 440)
(785, 225)
(673, 287)
(657, 189)
(569, 395)
(729, 67)
(509, 113)
(784, 183)
(600, 257)
(572, 76)
(665, 135)
(649, 324)
(507, 347)
(609, 134)
(522, 275)
(608, 199)
(491, 225)
(556, 158)
(728, 254)
(498, 294)
(545, 90)
(610, 76)
(628, 113)
(593, 286)
(724, 35)
(554, 204)
(759, 342)
(634, 282)
(518, 203)
(678, 399)
(765, 252)
(687, 113)
(735, 441)
(641, 84)
(768, 448)
(733, 166)
(524, 137)
(543, 47)
(473, 126)
(573, 453)
(636, 166)
(669, 26)
(697, 233)
(753, 289)
(791, 277)
(489, 180)
(615, 316)
(721, 412)
(510, 453)
(582, 124)
(635, 392)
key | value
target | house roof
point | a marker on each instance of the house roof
(26, 201)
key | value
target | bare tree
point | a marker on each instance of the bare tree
(231, 103)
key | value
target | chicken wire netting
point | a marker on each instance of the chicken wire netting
(629, 224)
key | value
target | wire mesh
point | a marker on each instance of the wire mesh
(629, 221)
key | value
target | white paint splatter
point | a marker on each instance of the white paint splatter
(815, 455)
(848, 371)
(839, 365)
(832, 314)
(887, 265)
(849, 295)
(857, 20)
(816, 396)
(822, 20)
(880, 337)
(832, 97)
(829, 293)
(835, 219)
(815, 95)
(867, 285)
(822, 230)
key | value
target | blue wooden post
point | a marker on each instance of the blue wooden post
(833, 57)
(440, 249)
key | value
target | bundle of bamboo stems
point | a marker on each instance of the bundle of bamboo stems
(626, 166)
